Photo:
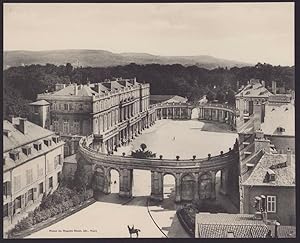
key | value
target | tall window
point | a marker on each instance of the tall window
(5, 210)
(271, 204)
(50, 182)
(76, 126)
(40, 171)
(17, 203)
(6, 188)
(30, 195)
(66, 127)
(66, 107)
(29, 176)
(56, 125)
(41, 188)
(57, 160)
(17, 183)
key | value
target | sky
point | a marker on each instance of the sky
(248, 32)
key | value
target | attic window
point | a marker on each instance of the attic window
(37, 146)
(26, 150)
(248, 92)
(6, 132)
(270, 176)
(47, 142)
(55, 139)
(14, 155)
(280, 129)
(230, 234)
(286, 109)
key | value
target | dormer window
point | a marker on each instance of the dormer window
(270, 176)
(230, 234)
(26, 150)
(55, 139)
(38, 146)
(280, 129)
(14, 155)
(48, 142)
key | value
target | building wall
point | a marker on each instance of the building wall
(285, 202)
(42, 168)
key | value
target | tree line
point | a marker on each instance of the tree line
(22, 84)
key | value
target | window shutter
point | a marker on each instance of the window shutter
(23, 201)
(34, 193)
(10, 208)
(8, 188)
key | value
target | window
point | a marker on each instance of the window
(6, 188)
(41, 188)
(230, 235)
(271, 204)
(14, 155)
(76, 126)
(29, 176)
(5, 210)
(17, 183)
(30, 195)
(50, 182)
(58, 177)
(36, 109)
(57, 161)
(37, 146)
(27, 150)
(66, 107)
(66, 127)
(80, 107)
(40, 171)
(66, 150)
(56, 125)
(17, 203)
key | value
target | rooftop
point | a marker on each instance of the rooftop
(279, 116)
(220, 224)
(254, 89)
(176, 99)
(40, 103)
(284, 176)
(82, 90)
(160, 98)
(17, 138)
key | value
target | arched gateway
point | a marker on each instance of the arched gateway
(195, 179)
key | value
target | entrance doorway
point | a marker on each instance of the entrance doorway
(114, 181)
(195, 113)
(168, 186)
(141, 183)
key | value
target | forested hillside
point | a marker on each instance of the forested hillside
(22, 84)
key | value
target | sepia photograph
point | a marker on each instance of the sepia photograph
(149, 120)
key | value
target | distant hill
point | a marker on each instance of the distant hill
(101, 58)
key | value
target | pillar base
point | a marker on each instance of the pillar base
(125, 194)
(156, 197)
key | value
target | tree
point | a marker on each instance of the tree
(81, 178)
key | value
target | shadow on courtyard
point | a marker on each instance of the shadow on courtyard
(213, 126)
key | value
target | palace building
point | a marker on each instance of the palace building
(32, 165)
(114, 111)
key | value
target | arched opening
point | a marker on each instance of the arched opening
(141, 183)
(98, 181)
(195, 113)
(205, 186)
(169, 187)
(187, 188)
(219, 181)
(114, 181)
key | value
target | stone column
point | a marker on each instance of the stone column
(126, 176)
(224, 182)
(157, 186)
(213, 189)
(173, 113)
(196, 196)
(106, 188)
(177, 188)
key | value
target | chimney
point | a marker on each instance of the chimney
(276, 229)
(22, 127)
(75, 89)
(257, 115)
(289, 158)
(274, 88)
(263, 83)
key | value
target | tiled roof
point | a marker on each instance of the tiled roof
(254, 90)
(176, 99)
(17, 138)
(283, 231)
(241, 225)
(279, 116)
(40, 102)
(70, 90)
(284, 176)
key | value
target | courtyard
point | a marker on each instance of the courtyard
(110, 215)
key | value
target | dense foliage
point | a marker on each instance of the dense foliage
(22, 84)
(142, 153)
(58, 202)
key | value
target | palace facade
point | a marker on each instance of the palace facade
(32, 165)
(114, 111)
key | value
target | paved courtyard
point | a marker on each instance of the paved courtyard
(109, 216)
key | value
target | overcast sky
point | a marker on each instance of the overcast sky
(250, 32)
